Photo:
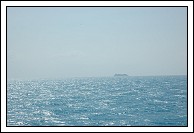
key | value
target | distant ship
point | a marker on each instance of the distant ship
(120, 75)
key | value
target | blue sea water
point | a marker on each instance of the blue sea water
(106, 101)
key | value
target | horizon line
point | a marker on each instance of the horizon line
(94, 77)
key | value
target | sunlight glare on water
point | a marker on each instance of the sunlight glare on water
(106, 101)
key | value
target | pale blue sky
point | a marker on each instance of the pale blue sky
(58, 42)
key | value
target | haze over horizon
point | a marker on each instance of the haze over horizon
(60, 42)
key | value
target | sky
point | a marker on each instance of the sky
(60, 42)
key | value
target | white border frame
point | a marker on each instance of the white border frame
(96, 3)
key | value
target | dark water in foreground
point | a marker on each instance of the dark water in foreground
(108, 101)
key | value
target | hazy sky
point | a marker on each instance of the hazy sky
(59, 42)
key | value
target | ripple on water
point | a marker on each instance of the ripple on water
(129, 101)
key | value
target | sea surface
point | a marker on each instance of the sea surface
(98, 101)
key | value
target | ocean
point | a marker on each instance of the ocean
(98, 101)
